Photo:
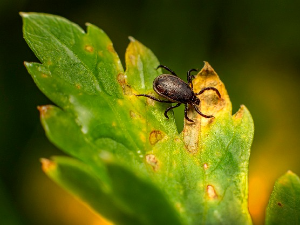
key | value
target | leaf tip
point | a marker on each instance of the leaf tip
(23, 14)
(239, 114)
(289, 172)
(131, 39)
(28, 64)
(43, 109)
(90, 26)
(47, 164)
(207, 69)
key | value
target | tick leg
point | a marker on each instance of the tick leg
(190, 77)
(167, 68)
(168, 109)
(185, 113)
(209, 88)
(198, 111)
(153, 98)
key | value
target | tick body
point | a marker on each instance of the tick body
(175, 90)
(172, 88)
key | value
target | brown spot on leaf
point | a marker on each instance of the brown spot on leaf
(78, 86)
(155, 136)
(89, 48)
(121, 79)
(205, 166)
(210, 120)
(123, 82)
(280, 204)
(177, 140)
(211, 192)
(134, 115)
(110, 48)
(152, 161)
(150, 102)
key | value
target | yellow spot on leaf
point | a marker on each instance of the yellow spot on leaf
(44, 75)
(143, 137)
(179, 207)
(132, 60)
(155, 136)
(210, 104)
(89, 48)
(152, 160)
(177, 140)
(123, 82)
(211, 192)
(205, 166)
(110, 48)
(133, 115)
(150, 102)
(120, 102)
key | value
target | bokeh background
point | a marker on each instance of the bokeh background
(254, 46)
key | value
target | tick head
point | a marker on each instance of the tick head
(196, 100)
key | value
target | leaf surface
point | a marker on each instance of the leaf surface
(114, 200)
(284, 204)
(81, 181)
(200, 174)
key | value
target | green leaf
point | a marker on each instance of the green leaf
(202, 172)
(144, 199)
(114, 199)
(284, 204)
(141, 66)
(81, 181)
(98, 114)
(207, 171)
(84, 61)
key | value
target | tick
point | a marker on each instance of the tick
(175, 90)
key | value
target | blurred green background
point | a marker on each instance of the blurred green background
(254, 46)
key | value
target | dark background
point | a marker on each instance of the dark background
(254, 46)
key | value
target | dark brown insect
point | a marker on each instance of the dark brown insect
(171, 87)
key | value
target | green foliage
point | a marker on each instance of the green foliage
(284, 204)
(130, 164)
